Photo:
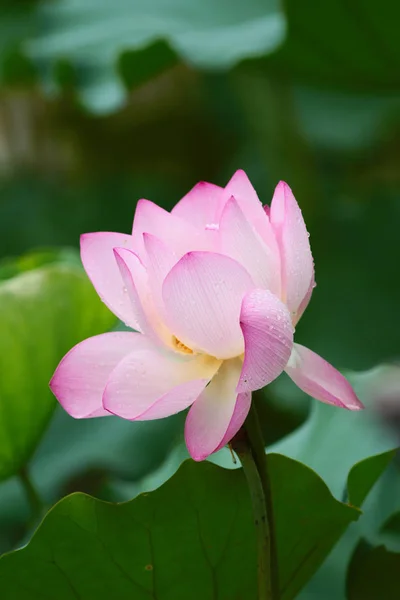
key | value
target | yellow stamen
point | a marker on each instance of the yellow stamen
(181, 346)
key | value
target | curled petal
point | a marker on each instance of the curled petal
(79, 380)
(136, 280)
(134, 276)
(160, 259)
(316, 377)
(241, 241)
(202, 295)
(99, 261)
(297, 268)
(217, 414)
(268, 338)
(151, 383)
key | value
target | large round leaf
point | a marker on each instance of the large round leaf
(84, 455)
(93, 35)
(43, 313)
(333, 440)
(350, 451)
(191, 538)
(142, 38)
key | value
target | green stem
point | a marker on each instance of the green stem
(249, 446)
(32, 495)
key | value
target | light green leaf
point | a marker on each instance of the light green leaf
(208, 34)
(84, 455)
(329, 582)
(350, 451)
(9, 267)
(43, 313)
(94, 35)
(191, 538)
(333, 440)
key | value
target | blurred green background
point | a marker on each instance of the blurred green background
(103, 103)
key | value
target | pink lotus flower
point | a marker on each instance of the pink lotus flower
(215, 289)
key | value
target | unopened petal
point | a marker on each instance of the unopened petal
(217, 414)
(173, 231)
(202, 206)
(297, 266)
(268, 337)
(241, 241)
(244, 193)
(99, 261)
(321, 380)
(151, 383)
(203, 295)
(79, 380)
(240, 187)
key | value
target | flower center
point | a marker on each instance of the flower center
(178, 345)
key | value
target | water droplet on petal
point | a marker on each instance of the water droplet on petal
(212, 226)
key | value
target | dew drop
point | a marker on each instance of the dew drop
(212, 226)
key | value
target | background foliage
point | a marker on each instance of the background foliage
(104, 103)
